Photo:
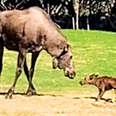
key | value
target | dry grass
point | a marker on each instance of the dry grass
(57, 104)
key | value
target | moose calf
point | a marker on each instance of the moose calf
(103, 83)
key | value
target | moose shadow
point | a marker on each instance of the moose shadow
(37, 94)
(104, 99)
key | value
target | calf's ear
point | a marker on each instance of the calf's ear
(93, 74)
(96, 75)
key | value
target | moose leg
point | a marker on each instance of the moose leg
(101, 92)
(31, 90)
(20, 63)
(1, 54)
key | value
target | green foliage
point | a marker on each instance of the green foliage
(93, 52)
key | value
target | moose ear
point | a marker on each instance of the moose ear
(54, 63)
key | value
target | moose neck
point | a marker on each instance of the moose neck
(54, 43)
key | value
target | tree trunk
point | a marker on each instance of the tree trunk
(76, 8)
(88, 26)
(48, 8)
(73, 22)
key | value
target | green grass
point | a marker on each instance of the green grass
(93, 52)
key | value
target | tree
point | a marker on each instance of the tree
(61, 11)
(98, 10)
(89, 14)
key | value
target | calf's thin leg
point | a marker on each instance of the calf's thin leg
(101, 92)
(31, 90)
(20, 63)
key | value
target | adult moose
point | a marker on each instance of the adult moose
(31, 30)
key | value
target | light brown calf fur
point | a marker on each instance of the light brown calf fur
(103, 83)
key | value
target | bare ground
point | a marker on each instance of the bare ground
(57, 104)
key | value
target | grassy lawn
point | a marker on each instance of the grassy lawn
(93, 52)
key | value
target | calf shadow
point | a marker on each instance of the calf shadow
(106, 100)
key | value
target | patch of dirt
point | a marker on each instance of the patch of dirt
(57, 104)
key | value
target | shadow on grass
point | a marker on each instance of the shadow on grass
(106, 100)
(24, 94)
(54, 95)
(76, 98)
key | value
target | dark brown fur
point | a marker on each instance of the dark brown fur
(32, 30)
(103, 83)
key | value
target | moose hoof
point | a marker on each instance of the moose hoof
(30, 92)
(9, 94)
(98, 99)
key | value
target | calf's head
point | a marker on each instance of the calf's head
(89, 79)
(64, 61)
